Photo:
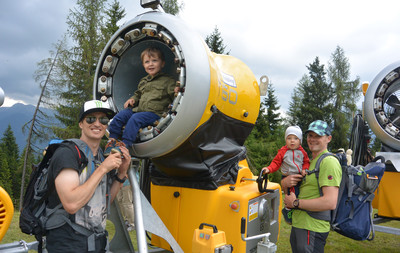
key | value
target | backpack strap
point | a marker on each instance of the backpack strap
(51, 220)
(110, 175)
(60, 217)
(322, 215)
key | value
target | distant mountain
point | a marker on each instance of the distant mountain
(17, 116)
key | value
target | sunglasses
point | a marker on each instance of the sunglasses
(103, 120)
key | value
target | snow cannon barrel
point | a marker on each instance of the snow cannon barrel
(382, 107)
(211, 116)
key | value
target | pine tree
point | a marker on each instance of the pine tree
(215, 42)
(346, 94)
(114, 14)
(10, 160)
(312, 97)
(272, 115)
(78, 64)
(294, 113)
(72, 82)
(172, 6)
(267, 136)
(5, 174)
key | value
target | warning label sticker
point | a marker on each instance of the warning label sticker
(253, 211)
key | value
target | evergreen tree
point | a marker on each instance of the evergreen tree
(114, 14)
(312, 97)
(172, 6)
(215, 42)
(345, 96)
(294, 113)
(78, 64)
(25, 175)
(72, 82)
(5, 174)
(260, 128)
(267, 136)
(272, 116)
(10, 159)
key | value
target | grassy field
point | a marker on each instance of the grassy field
(336, 243)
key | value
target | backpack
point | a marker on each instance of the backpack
(34, 213)
(353, 214)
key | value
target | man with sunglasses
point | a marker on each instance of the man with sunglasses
(85, 193)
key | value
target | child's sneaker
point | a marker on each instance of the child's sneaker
(113, 146)
(287, 214)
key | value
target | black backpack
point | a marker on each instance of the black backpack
(34, 213)
(353, 214)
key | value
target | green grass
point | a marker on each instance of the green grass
(336, 243)
(14, 233)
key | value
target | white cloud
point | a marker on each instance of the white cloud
(8, 102)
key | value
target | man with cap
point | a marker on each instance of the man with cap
(309, 234)
(85, 193)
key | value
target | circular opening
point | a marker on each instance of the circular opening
(130, 70)
(122, 69)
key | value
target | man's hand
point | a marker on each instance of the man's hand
(291, 180)
(288, 201)
(112, 162)
(125, 162)
(129, 102)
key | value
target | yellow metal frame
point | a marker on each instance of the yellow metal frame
(387, 196)
(183, 214)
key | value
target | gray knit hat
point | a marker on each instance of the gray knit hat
(295, 130)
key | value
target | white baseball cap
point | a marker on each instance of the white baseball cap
(96, 106)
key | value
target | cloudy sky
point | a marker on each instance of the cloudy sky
(274, 38)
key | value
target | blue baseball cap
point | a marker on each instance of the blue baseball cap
(319, 127)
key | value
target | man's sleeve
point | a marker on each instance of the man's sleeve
(63, 158)
(330, 172)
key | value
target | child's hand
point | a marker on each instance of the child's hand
(265, 170)
(176, 90)
(129, 102)
(303, 173)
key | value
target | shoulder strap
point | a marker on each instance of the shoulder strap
(323, 215)
(79, 146)
(317, 166)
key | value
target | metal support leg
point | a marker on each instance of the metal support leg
(146, 218)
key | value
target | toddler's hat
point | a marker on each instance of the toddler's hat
(295, 130)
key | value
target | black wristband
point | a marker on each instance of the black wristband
(118, 179)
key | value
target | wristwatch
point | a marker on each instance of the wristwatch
(296, 203)
(120, 180)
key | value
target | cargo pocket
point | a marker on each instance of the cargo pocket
(369, 183)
